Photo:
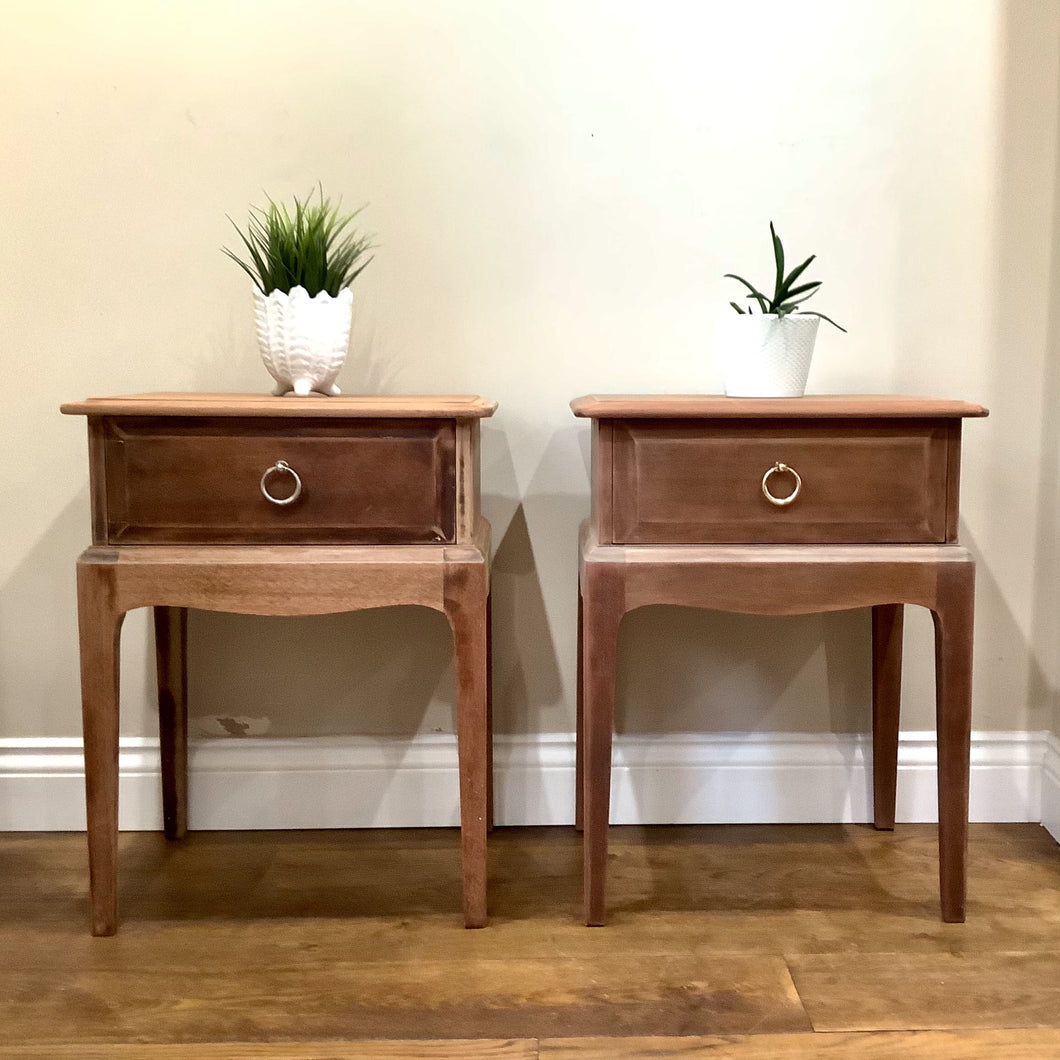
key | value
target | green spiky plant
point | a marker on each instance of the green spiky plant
(310, 245)
(786, 296)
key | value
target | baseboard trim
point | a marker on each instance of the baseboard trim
(1051, 787)
(359, 782)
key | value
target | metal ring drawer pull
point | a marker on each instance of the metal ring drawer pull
(777, 469)
(279, 468)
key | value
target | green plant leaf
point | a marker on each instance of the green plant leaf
(755, 293)
(778, 257)
(797, 272)
(310, 244)
(786, 296)
(806, 287)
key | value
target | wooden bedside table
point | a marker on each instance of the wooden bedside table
(277, 506)
(779, 507)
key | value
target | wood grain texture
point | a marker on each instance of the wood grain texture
(882, 1045)
(371, 406)
(230, 938)
(99, 631)
(384, 511)
(198, 480)
(885, 1045)
(863, 513)
(503, 999)
(601, 470)
(230, 899)
(625, 406)
(171, 657)
(467, 479)
(688, 481)
(936, 991)
(888, 623)
(379, 1049)
(779, 580)
(287, 580)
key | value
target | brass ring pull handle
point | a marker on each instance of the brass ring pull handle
(778, 469)
(281, 467)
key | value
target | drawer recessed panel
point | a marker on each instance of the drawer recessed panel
(690, 481)
(199, 481)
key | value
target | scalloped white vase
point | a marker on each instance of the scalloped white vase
(767, 355)
(303, 340)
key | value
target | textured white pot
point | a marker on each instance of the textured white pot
(303, 340)
(767, 355)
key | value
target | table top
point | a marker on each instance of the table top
(358, 406)
(816, 406)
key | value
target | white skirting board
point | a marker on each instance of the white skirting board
(1051, 787)
(359, 782)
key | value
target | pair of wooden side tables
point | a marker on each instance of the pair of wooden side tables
(284, 506)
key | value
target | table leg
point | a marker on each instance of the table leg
(887, 624)
(602, 616)
(953, 616)
(579, 723)
(466, 611)
(489, 712)
(171, 640)
(99, 626)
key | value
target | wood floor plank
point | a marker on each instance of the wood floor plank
(304, 936)
(898, 991)
(754, 889)
(495, 998)
(457, 1049)
(879, 1045)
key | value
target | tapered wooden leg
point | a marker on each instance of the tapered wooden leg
(887, 624)
(579, 733)
(99, 626)
(489, 713)
(466, 610)
(603, 610)
(953, 683)
(171, 641)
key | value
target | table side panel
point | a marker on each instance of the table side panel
(468, 478)
(601, 472)
(953, 481)
(197, 480)
(695, 481)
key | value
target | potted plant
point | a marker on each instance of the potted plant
(768, 355)
(302, 261)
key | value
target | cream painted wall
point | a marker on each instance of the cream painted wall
(557, 188)
(1046, 675)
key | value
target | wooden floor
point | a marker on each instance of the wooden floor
(724, 942)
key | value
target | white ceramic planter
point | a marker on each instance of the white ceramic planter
(303, 340)
(767, 355)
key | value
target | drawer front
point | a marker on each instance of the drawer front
(199, 481)
(690, 481)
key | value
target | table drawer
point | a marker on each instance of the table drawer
(198, 480)
(690, 481)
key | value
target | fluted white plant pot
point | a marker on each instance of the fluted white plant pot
(303, 340)
(766, 355)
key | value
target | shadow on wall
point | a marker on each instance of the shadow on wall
(1007, 676)
(38, 631)
(40, 689)
(229, 359)
(534, 582)
(688, 670)
(386, 671)
(526, 672)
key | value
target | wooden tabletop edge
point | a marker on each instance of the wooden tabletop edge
(661, 406)
(459, 406)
